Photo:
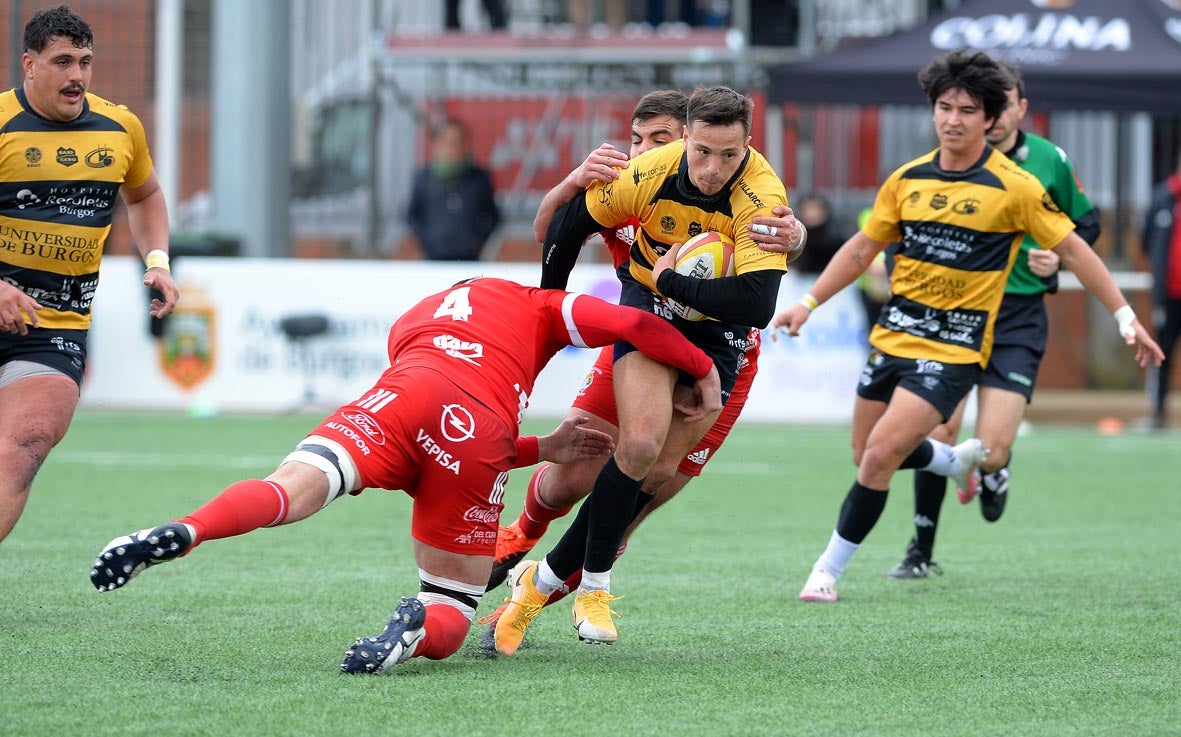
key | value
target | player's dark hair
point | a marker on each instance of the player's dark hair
(974, 72)
(61, 22)
(671, 103)
(1014, 73)
(720, 106)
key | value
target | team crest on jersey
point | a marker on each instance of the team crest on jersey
(939, 201)
(33, 156)
(969, 206)
(187, 352)
(67, 156)
(100, 158)
(668, 224)
(1049, 204)
(590, 379)
(694, 229)
(914, 197)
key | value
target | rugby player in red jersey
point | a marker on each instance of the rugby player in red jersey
(442, 425)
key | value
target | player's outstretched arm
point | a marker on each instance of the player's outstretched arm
(1090, 270)
(849, 262)
(571, 441)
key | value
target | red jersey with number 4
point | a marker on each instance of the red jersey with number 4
(492, 337)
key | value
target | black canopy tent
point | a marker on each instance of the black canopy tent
(1077, 55)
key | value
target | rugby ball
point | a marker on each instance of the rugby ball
(708, 255)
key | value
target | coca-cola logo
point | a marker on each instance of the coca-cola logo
(366, 425)
(482, 515)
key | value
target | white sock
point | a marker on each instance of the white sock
(547, 582)
(595, 581)
(943, 460)
(837, 555)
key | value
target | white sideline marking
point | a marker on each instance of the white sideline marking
(185, 460)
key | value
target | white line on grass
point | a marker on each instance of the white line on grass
(156, 460)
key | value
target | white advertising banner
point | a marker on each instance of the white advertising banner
(224, 349)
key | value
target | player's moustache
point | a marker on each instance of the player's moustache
(72, 88)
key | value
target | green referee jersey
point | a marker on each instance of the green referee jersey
(1050, 164)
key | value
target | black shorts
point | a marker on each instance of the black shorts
(942, 385)
(63, 350)
(722, 342)
(1019, 344)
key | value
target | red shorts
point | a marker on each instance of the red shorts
(597, 396)
(418, 432)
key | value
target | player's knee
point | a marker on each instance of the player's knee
(566, 484)
(27, 452)
(637, 456)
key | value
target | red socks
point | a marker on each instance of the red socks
(242, 507)
(534, 521)
(443, 633)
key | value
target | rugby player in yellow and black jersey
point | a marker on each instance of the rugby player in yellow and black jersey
(710, 180)
(960, 214)
(65, 155)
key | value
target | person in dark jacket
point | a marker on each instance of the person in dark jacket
(452, 209)
(1161, 241)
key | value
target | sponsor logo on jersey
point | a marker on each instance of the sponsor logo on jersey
(750, 195)
(1049, 204)
(481, 514)
(435, 452)
(605, 193)
(67, 156)
(25, 198)
(694, 228)
(367, 425)
(924, 366)
(33, 156)
(458, 348)
(101, 157)
(351, 434)
(477, 537)
(938, 201)
(627, 234)
(699, 457)
(640, 176)
(457, 424)
(969, 206)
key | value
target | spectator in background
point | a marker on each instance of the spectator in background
(497, 15)
(452, 207)
(825, 237)
(1162, 245)
(581, 13)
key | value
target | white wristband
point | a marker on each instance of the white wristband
(1124, 317)
(803, 236)
(156, 259)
